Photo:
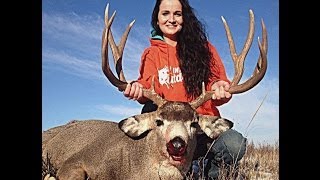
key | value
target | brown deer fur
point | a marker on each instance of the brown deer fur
(135, 148)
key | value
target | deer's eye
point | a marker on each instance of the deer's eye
(194, 125)
(159, 122)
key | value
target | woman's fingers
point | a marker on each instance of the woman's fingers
(126, 92)
(221, 89)
(136, 91)
(222, 92)
(227, 94)
(133, 91)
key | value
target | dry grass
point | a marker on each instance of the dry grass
(261, 162)
(48, 168)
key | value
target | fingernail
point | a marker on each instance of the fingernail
(213, 96)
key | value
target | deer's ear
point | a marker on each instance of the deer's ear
(136, 125)
(213, 126)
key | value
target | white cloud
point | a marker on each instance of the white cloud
(120, 110)
(72, 25)
(73, 43)
(71, 64)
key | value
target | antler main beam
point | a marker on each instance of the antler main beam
(117, 52)
(238, 61)
(105, 63)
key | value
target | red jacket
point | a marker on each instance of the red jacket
(160, 60)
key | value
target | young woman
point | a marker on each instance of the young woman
(180, 59)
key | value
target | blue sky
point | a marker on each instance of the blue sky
(74, 87)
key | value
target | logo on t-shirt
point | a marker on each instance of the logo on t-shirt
(169, 75)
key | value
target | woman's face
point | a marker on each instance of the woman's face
(170, 18)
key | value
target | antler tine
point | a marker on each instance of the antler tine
(104, 53)
(265, 47)
(259, 71)
(117, 52)
(205, 96)
(238, 60)
(152, 95)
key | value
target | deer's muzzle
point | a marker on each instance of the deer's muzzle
(176, 147)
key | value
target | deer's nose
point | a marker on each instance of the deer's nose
(176, 146)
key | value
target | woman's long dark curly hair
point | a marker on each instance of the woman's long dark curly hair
(192, 47)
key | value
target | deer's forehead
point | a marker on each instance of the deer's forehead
(177, 111)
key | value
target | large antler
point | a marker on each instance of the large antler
(117, 52)
(238, 61)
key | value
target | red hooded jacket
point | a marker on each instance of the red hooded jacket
(160, 60)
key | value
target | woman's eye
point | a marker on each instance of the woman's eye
(165, 13)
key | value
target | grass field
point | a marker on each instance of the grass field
(261, 162)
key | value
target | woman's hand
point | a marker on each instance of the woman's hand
(221, 89)
(133, 91)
